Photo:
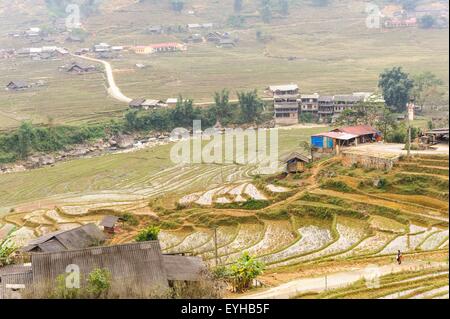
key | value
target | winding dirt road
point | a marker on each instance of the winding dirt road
(113, 89)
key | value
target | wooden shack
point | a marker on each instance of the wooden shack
(295, 162)
(109, 224)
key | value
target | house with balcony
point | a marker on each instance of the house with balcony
(285, 99)
(309, 103)
(325, 108)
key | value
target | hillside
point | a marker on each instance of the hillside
(324, 49)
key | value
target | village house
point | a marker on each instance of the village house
(74, 39)
(76, 68)
(136, 103)
(226, 43)
(155, 29)
(33, 32)
(335, 140)
(325, 108)
(109, 224)
(309, 103)
(81, 237)
(153, 104)
(17, 86)
(344, 102)
(197, 26)
(168, 47)
(102, 47)
(400, 22)
(140, 265)
(295, 162)
(194, 38)
(285, 103)
(171, 102)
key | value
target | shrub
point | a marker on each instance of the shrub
(148, 234)
(99, 282)
(130, 219)
(337, 186)
(244, 271)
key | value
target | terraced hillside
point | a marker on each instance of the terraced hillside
(423, 284)
(329, 212)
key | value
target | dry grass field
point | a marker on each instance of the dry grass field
(325, 50)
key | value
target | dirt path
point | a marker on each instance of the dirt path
(335, 280)
(113, 89)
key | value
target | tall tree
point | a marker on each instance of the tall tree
(222, 106)
(426, 88)
(251, 106)
(396, 87)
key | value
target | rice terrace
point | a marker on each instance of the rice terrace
(354, 206)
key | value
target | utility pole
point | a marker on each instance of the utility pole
(408, 152)
(215, 246)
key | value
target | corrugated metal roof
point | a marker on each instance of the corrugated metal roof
(14, 269)
(81, 237)
(139, 263)
(182, 268)
(296, 155)
(109, 221)
(357, 130)
(337, 135)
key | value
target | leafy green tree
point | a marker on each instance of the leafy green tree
(244, 271)
(183, 114)
(362, 113)
(148, 234)
(25, 136)
(396, 87)
(222, 106)
(99, 282)
(386, 122)
(251, 106)
(7, 250)
(426, 88)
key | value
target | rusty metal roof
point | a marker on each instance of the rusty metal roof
(357, 130)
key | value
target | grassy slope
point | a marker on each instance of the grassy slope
(113, 172)
(335, 53)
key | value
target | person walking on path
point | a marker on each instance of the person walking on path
(399, 257)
